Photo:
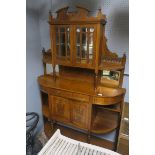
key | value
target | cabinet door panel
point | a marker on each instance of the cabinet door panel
(79, 114)
(84, 44)
(63, 44)
(60, 109)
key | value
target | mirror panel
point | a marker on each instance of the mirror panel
(111, 75)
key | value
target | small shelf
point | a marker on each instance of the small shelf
(104, 121)
(114, 107)
(45, 105)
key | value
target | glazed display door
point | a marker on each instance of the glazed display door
(63, 44)
(84, 46)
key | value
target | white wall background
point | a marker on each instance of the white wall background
(117, 33)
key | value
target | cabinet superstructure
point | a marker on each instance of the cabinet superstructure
(81, 95)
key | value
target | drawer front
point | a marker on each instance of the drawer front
(107, 100)
(60, 93)
(79, 114)
(60, 109)
(80, 97)
(66, 94)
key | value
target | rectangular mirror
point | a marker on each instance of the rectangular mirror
(111, 75)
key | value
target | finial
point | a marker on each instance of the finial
(50, 15)
(124, 54)
(99, 9)
(99, 14)
(43, 50)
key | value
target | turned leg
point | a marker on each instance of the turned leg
(88, 137)
(53, 124)
(117, 134)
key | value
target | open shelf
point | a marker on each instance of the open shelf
(44, 97)
(114, 107)
(104, 121)
(45, 110)
(45, 105)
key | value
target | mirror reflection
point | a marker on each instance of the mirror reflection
(111, 75)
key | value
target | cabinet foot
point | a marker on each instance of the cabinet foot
(53, 123)
(88, 138)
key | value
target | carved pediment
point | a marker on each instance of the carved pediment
(62, 13)
(80, 13)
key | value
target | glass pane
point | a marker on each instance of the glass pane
(68, 50)
(78, 30)
(77, 38)
(91, 39)
(57, 49)
(84, 39)
(57, 29)
(62, 50)
(84, 29)
(78, 51)
(90, 52)
(68, 41)
(84, 51)
(62, 38)
(68, 29)
(91, 29)
(57, 38)
(68, 38)
(62, 29)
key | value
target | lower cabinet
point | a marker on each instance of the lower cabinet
(79, 114)
(70, 111)
(60, 108)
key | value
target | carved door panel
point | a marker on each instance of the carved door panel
(60, 109)
(79, 114)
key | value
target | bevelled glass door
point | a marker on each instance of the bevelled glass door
(84, 44)
(63, 42)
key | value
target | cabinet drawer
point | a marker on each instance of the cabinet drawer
(80, 97)
(107, 100)
(61, 93)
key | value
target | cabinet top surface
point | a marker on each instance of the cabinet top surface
(78, 86)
